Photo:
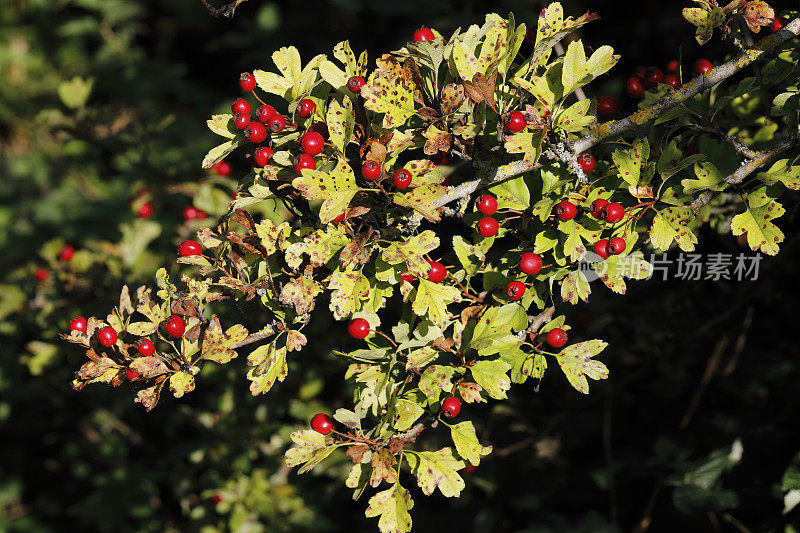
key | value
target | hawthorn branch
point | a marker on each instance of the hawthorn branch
(224, 11)
(737, 145)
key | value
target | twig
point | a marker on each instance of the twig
(737, 145)
(711, 369)
(762, 157)
(224, 11)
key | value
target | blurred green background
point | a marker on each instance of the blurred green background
(102, 108)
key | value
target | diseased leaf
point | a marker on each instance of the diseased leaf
(432, 299)
(180, 383)
(493, 377)
(756, 223)
(301, 293)
(349, 289)
(336, 188)
(310, 448)
(577, 363)
(218, 346)
(269, 366)
(466, 442)
(437, 469)
(392, 506)
(412, 252)
(390, 95)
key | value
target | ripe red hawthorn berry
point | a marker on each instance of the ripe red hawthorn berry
(672, 66)
(606, 106)
(322, 423)
(263, 155)
(107, 336)
(247, 82)
(468, 469)
(515, 290)
(241, 121)
(653, 77)
(530, 263)
(703, 67)
(597, 208)
(566, 210)
(276, 123)
(338, 219)
(306, 107)
(264, 113)
(672, 80)
(67, 253)
(190, 212)
(437, 272)
(240, 106)
(189, 248)
(146, 347)
(223, 168)
(41, 274)
(175, 326)
(145, 210)
(616, 246)
(487, 204)
(371, 170)
(639, 73)
(78, 324)
(778, 24)
(255, 132)
(587, 162)
(601, 248)
(358, 328)
(556, 337)
(402, 178)
(613, 212)
(634, 88)
(423, 34)
(355, 83)
(303, 161)
(487, 227)
(407, 276)
(515, 122)
(312, 143)
(451, 406)
(217, 498)
(130, 375)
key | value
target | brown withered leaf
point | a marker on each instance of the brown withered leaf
(533, 118)
(645, 191)
(250, 243)
(125, 306)
(96, 368)
(428, 114)
(375, 151)
(757, 13)
(186, 307)
(148, 367)
(452, 96)
(471, 312)
(358, 251)
(411, 73)
(444, 344)
(482, 89)
(193, 333)
(437, 140)
(382, 468)
(245, 219)
(149, 397)
(356, 453)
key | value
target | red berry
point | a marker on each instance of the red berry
(606, 106)
(672, 80)
(672, 66)
(778, 24)
(515, 289)
(355, 83)
(423, 34)
(358, 328)
(78, 324)
(41, 274)
(653, 77)
(487, 204)
(515, 122)
(437, 272)
(107, 336)
(241, 106)
(556, 337)
(601, 248)
(306, 107)
(338, 219)
(303, 161)
(634, 88)
(276, 123)
(371, 170)
(616, 246)
(255, 132)
(322, 423)
(262, 155)
(703, 67)
(566, 210)
(402, 178)
(597, 208)
(264, 113)
(613, 212)
(130, 375)
(175, 326)
(67, 253)
(217, 498)
(190, 213)
(468, 470)
(146, 347)
(530, 263)
(587, 162)
(451, 406)
(312, 143)
(247, 82)
(241, 121)
(639, 73)
(223, 168)
(145, 210)
(487, 227)
(407, 276)
(189, 248)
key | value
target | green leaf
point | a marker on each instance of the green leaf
(575, 117)
(341, 121)
(434, 380)
(575, 286)
(310, 449)
(75, 92)
(389, 95)
(220, 152)
(392, 506)
(269, 366)
(574, 68)
(437, 469)
(180, 383)
(784, 173)
(431, 300)
(671, 225)
(412, 252)
(629, 162)
(762, 234)
(405, 414)
(708, 178)
(466, 442)
(512, 194)
(222, 125)
(471, 256)
(336, 188)
(493, 377)
(577, 363)
(349, 288)
(218, 346)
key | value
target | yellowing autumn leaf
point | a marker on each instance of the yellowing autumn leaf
(336, 188)
(577, 363)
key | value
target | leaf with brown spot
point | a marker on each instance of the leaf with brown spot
(428, 114)
(451, 98)
(482, 89)
(382, 463)
(437, 140)
(356, 453)
(301, 293)
(295, 341)
(470, 392)
(148, 367)
(149, 397)
(421, 200)
(218, 345)
(757, 14)
(412, 74)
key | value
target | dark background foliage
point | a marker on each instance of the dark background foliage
(637, 452)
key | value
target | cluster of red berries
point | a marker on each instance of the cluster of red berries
(371, 170)
(66, 254)
(643, 78)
